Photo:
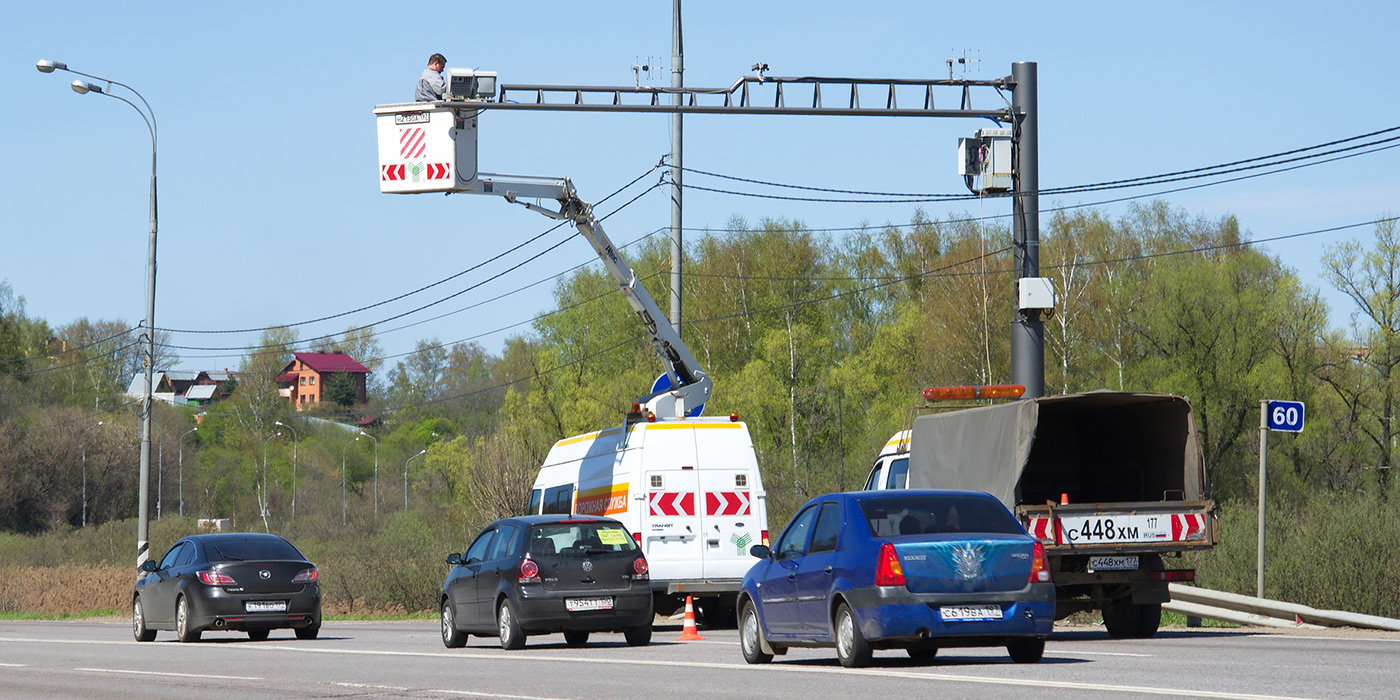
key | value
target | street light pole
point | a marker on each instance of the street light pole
(405, 476)
(182, 469)
(296, 438)
(99, 423)
(376, 470)
(264, 479)
(148, 400)
(342, 477)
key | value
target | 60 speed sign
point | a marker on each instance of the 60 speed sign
(1285, 416)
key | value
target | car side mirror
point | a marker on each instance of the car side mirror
(149, 566)
(454, 559)
(760, 550)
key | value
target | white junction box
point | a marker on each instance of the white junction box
(1036, 292)
(426, 147)
(987, 156)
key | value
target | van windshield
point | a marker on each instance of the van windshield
(579, 539)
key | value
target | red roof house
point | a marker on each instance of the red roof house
(303, 379)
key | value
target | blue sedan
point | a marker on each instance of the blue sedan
(915, 570)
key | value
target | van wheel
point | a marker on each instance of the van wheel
(717, 613)
(575, 638)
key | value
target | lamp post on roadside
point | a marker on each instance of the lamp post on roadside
(342, 477)
(85, 473)
(182, 469)
(264, 479)
(148, 399)
(296, 438)
(405, 476)
(376, 470)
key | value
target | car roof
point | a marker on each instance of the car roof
(215, 538)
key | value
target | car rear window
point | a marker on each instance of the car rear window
(579, 538)
(249, 550)
(916, 515)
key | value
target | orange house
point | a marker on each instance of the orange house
(302, 381)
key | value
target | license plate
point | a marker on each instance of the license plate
(1123, 563)
(253, 606)
(954, 613)
(1108, 529)
(586, 604)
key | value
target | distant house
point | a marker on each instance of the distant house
(303, 380)
(176, 386)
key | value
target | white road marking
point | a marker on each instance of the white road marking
(873, 672)
(1076, 652)
(378, 687)
(477, 694)
(14, 665)
(163, 673)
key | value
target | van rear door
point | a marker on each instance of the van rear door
(730, 509)
(671, 527)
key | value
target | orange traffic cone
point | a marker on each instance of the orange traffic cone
(688, 632)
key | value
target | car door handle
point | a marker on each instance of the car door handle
(828, 570)
(792, 576)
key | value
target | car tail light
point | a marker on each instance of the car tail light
(529, 571)
(306, 576)
(216, 578)
(1040, 568)
(639, 568)
(765, 538)
(889, 572)
(1174, 575)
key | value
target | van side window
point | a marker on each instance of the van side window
(558, 499)
(533, 507)
(656, 481)
(741, 480)
(899, 473)
(873, 482)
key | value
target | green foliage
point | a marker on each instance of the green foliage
(340, 388)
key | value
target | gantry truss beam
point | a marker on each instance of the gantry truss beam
(769, 95)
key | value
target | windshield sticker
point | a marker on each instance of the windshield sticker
(612, 536)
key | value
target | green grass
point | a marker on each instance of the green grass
(57, 616)
(1171, 619)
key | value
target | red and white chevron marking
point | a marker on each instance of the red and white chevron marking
(727, 503)
(412, 142)
(392, 172)
(1040, 528)
(1188, 525)
(671, 503)
(439, 171)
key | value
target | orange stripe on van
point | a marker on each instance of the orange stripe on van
(602, 500)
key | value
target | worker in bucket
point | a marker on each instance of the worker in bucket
(431, 85)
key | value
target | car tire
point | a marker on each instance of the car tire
(138, 622)
(1026, 651)
(638, 636)
(1149, 619)
(508, 627)
(309, 631)
(922, 653)
(851, 648)
(751, 636)
(1121, 618)
(575, 638)
(183, 631)
(259, 634)
(452, 638)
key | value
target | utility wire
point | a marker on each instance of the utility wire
(84, 346)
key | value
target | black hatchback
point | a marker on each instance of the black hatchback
(541, 574)
(230, 581)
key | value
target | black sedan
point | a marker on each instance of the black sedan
(540, 574)
(231, 581)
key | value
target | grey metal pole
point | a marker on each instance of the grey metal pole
(296, 438)
(160, 474)
(1027, 330)
(677, 161)
(1263, 454)
(143, 543)
(84, 483)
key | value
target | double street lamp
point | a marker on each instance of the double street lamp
(405, 476)
(342, 476)
(296, 438)
(147, 402)
(376, 470)
(99, 423)
(182, 469)
(264, 477)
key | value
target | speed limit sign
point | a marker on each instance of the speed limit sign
(1285, 416)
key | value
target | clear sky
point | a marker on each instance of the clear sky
(269, 205)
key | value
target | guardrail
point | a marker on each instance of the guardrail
(1248, 610)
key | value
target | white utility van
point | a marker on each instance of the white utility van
(687, 488)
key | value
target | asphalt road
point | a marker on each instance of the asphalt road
(98, 659)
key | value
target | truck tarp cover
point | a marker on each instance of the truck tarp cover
(1097, 447)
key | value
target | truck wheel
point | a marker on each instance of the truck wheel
(717, 613)
(1150, 616)
(1121, 618)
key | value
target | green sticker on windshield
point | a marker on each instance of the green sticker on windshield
(612, 536)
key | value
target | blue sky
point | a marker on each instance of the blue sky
(269, 204)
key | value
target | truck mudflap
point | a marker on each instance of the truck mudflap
(1109, 528)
